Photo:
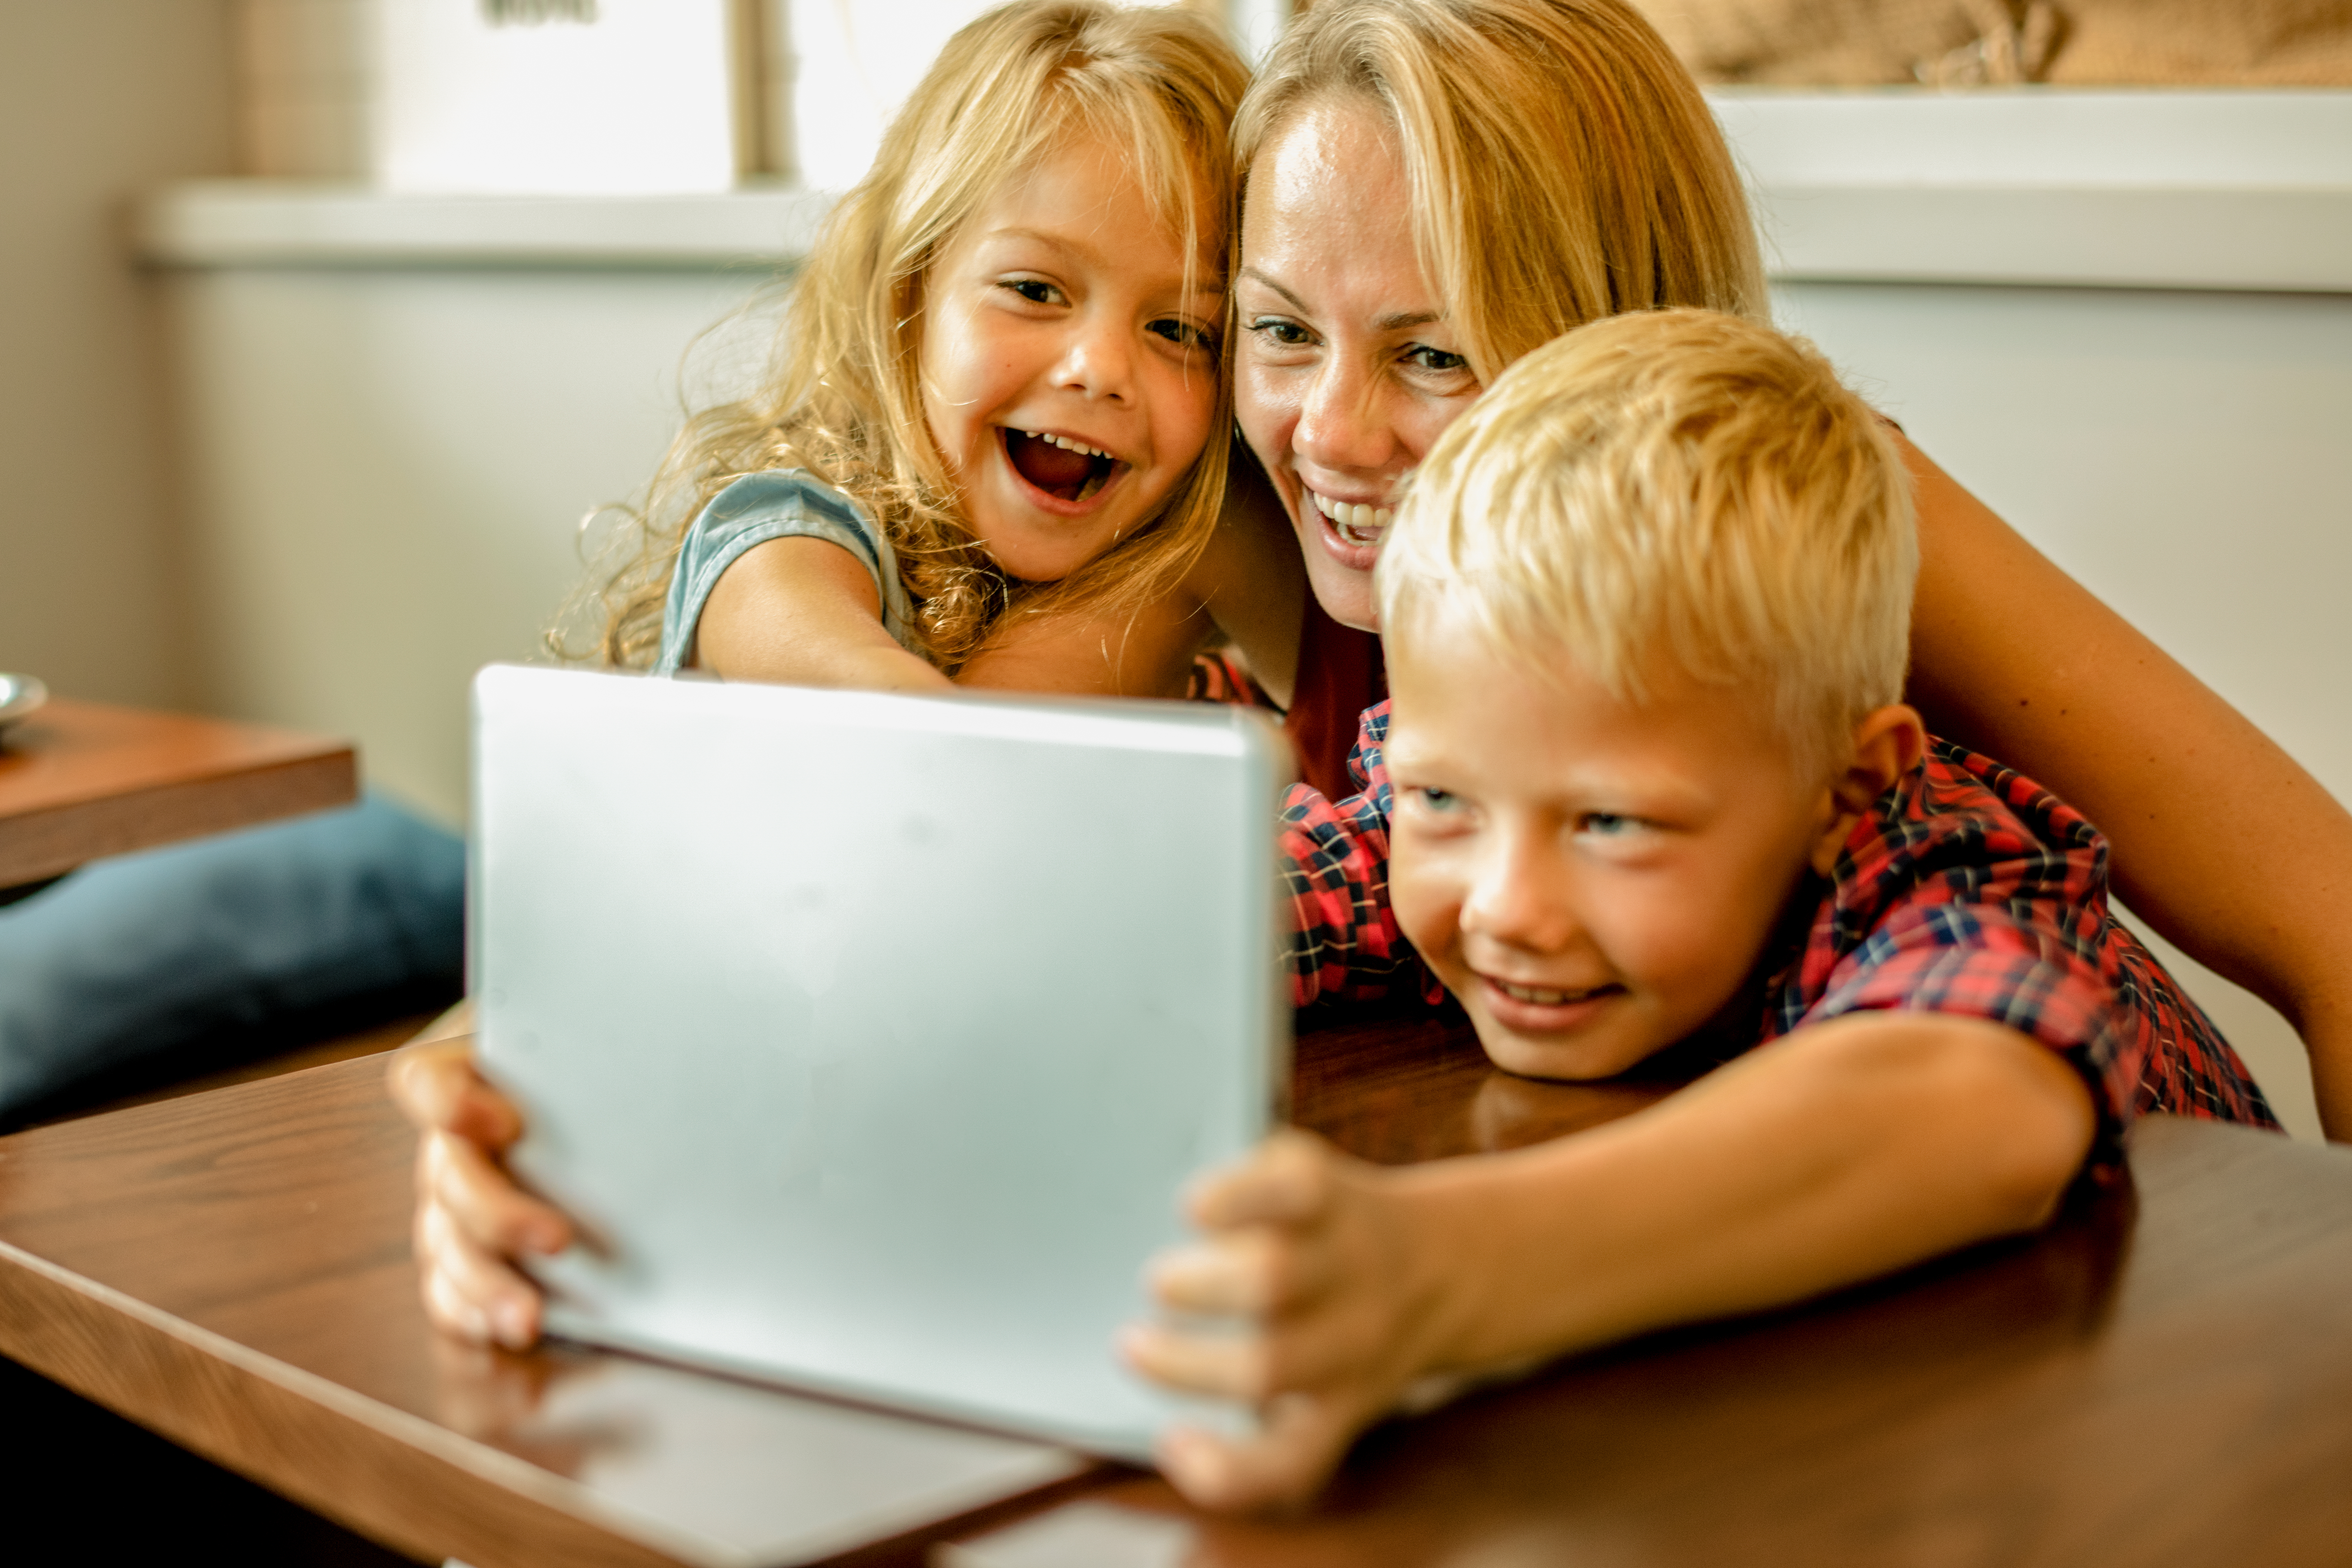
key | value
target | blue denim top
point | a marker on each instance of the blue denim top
(782, 504)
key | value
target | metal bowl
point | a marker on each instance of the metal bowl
(19, 696)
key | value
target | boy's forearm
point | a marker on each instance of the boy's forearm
(1848, 1150)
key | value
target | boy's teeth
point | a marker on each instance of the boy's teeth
(1531, 994)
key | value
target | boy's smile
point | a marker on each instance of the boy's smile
(1593, 881)
(1069, 376)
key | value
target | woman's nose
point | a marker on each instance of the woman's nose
(1342, 425)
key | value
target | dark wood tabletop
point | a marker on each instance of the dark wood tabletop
(2164, 1377)
(81, 779)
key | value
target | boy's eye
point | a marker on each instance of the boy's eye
(1275, 329)
(1609, 825)
(1441, 362)
(1440, 801)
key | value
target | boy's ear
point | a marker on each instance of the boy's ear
(1887, 744)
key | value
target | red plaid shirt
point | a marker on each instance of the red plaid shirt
(1970, 889)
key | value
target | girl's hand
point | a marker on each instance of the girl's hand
(1340, 1280)
(472, 1219)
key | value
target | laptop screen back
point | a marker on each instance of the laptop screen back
(872, 1038)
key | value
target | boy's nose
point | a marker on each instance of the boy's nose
(1521, 898)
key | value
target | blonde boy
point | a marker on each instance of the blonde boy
(1646, 780)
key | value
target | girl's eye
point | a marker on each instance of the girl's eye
(1184, 334)
(1608, 824)
(1440, 361)
(1440, 801)
(1275, 329)
(1036, 290)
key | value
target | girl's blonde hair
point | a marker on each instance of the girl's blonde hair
(1675, 485)
(845, 401)
(1562, 163)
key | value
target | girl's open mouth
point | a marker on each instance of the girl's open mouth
(1066, 469)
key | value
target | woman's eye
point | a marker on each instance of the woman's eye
(1184, 334)
(1440, 361)
(1036, 290)
(1275, 328)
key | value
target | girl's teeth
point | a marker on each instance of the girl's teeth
(1064, 441)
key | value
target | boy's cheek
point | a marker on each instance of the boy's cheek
(1427, 902)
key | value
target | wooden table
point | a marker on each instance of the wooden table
(2166, 1377)
(80, 779)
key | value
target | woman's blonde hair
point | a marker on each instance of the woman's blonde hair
(844, 400)
(1671, 484)
(1562, 163)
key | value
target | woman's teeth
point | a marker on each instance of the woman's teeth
(1356, 523)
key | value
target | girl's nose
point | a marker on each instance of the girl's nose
(1097, 362)
(1342, 426)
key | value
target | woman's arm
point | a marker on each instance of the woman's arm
(1251, 579)
(2220, 840)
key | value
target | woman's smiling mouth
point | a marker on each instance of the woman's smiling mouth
(1353, 530)
(1066, 476)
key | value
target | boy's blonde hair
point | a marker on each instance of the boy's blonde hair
(1675, 484)
(844, 399)
(1562, 163)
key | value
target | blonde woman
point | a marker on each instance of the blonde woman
(1433, 188)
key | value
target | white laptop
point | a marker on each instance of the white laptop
(872, 1038)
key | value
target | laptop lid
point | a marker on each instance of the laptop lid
(872, 1038)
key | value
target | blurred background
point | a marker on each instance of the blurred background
(325, 323)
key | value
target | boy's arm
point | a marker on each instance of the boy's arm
(1848, 1150)
(804, 611)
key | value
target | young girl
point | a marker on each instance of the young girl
(998, 405)
(994, 398)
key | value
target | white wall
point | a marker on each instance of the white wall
(389, 469)
(100, 100)
(2187, 456)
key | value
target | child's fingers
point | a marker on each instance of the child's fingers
(1256, 1271)
(1302, 1440)
(1287, 1181)
(435, 1086)
(468, 1292)
(483, 1201)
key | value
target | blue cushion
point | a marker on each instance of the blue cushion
(130, 960)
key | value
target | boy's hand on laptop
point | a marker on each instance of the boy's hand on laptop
(471, 1217)
(1339, 1282)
